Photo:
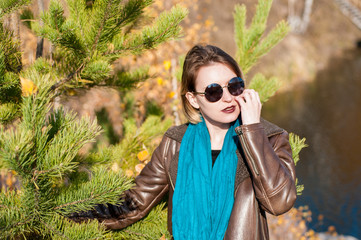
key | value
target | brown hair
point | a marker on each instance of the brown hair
(200, 56)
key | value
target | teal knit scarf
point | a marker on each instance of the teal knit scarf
(203, 196)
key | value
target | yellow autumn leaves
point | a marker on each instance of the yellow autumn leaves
(8, 180)
(167, 64)
(28, 87)
(142, 156)
(294, 225)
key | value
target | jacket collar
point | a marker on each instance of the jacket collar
(270, 128)
(177, 132)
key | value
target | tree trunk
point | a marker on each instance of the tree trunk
(299, 22)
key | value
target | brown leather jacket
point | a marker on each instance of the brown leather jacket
(265, 181)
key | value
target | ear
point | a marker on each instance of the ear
(191, 97)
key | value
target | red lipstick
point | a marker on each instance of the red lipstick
(230, 109)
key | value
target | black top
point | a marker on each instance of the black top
(215, 154)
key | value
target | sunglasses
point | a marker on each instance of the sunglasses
(214, 91)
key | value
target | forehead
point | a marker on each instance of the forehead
(214, 73)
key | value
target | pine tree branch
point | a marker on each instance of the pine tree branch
(132, 10)
(81, 201)
(239, 16)
(68, 78)
(142, 45)
(250, 46)
(102, 26)
(60, 31)
(117, 17)
(165, 27)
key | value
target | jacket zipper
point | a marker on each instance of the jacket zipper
(243, 140)
(171, 182)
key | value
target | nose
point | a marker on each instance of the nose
(227, 96)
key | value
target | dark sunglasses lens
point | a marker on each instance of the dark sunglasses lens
(213, 92)
(236, 86)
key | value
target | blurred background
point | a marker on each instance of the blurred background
(319, 65)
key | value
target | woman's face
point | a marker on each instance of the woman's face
(219, 113)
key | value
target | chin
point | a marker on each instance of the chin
(232, 119)
(229, 118)
(221, 118)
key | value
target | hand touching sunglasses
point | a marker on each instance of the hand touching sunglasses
(214, 91)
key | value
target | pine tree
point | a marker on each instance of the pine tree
(251, 45)
(42, 146)
(94, 35)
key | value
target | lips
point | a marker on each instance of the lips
(230, 109)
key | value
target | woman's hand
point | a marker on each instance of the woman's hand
(250, 105)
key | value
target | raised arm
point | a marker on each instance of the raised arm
(271, 166)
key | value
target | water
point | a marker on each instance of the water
(327, 112)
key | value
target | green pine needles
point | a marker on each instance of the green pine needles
(297, 144)
(9, 6)
(91, 38)
(137, 139)
(56, 181)
(266, 88)
(154, 226)
(43, 151)
(10, 66)
(42, 146)
(251, 45)
(41, 143)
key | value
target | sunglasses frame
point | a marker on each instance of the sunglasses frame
(226, 86)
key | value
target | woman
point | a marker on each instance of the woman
(223, 170)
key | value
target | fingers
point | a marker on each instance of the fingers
(250, 104)
(250, 95)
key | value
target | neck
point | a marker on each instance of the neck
(217, 132)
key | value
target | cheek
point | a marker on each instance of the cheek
(207, 106)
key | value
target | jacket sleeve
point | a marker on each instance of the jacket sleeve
(150, 187)
(271, 166)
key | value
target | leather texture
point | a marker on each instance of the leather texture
(265, 181)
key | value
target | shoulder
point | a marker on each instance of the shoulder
(176, 132)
